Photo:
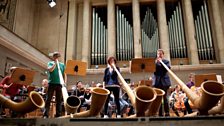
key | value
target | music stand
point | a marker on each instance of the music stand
(146, 83)
(22, 76)
(200, 78)
(142, 65)
(75, 67)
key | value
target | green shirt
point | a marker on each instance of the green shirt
(53, 77)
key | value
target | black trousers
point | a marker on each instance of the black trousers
(116, 92)
(58, 93)
(187, 105)
(164, 108)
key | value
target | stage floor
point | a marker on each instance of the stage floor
(140, 121)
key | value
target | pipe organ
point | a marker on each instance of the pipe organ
(124, 33)
(177, 43)
(179, 35)
(149, 33)
(99, 37)
(203, 34)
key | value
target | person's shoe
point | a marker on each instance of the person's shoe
(57, 116)
(45, 117)
(105, 116)
(167, 114)
(118, 116)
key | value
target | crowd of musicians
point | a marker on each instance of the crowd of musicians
(117, 102)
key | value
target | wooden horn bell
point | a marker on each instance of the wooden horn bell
(98, 99)
(154, 107)
(141, 99)
(33, 102)
(212, 91)
(218, 109)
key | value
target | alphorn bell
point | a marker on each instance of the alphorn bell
(141, 99)
(218, 109)
(212, 91)
(154, 107)
(98, 99)
(34, 101)
(71, 103)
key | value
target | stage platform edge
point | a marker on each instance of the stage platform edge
(140, 121)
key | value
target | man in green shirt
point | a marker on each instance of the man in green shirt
(55, 84)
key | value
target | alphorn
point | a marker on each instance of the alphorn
(154, 107)
(33, 102)
(141, 99)
(98, 99)
(212, 91)
(218, 109)
(71, 103)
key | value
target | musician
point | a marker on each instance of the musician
(161, 80)
(93, 84)
(87, 97)
(189, 84)
(79, 92)
(54, 84)
(79, 89)
(10, 89)
(43, 89)
(124, 103)
(111, 83)
(177, 100)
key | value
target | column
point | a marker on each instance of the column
(86, 32)
(111, 28)
(71, 30)
(219, 34)
(136, 29)
(163, 29)
(190, 32)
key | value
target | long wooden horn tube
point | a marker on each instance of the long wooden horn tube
(98, 99)
(34, 101)
(71, 103)
(126, 87)
(142, 98)
(212, 91)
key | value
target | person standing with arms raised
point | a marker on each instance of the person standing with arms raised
(161, 80)
(54, 84)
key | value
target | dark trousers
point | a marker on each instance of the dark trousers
(116, 92)
(58, 93)
(165, 106)
(1, 110)
(187, 106)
